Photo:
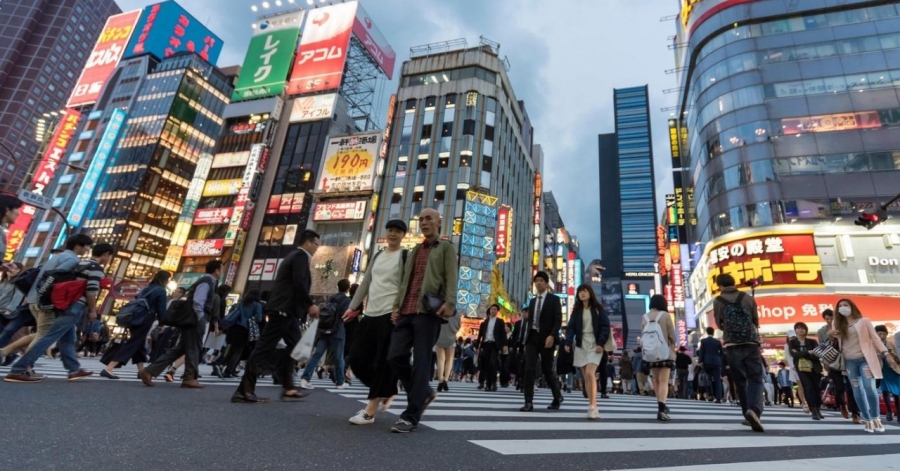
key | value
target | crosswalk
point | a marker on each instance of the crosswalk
(492, 421)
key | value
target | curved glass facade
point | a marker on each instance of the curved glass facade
(791, 117)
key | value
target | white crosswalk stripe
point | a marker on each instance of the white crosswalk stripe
(626, 422)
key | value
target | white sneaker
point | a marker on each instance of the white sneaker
(879, 427)
(305, 384)
(362, 418)
(870, 428)
(593, 414)
(341, 386)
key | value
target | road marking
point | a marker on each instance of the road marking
(602, 425)
(812, 464)
(540, 414)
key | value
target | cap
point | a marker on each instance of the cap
(791, 333)
(396, 224)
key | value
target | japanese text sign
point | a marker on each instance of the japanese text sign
(98, 165)
(204, 248)
(269, 56)
(166, 28)
(313, 108)
(212, 216)
(323, 49)
(340, 211)
(349, 163)
(504, 226)
(104, 58)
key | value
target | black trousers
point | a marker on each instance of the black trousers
(601, 372)
(786, 395)
(369, 356)
(841, 390)
(812, 388)
(419, 333)
(238, 339)
(534, 346)
(490, 355)
(189, 343)
(504, 369)
(280, 327)
(746, 367)
(135, 348)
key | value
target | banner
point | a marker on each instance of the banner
(207, 216)
(313, 108)
(166, 28)
(204, 248)
(269, 57)
(788, 310)
(323, 49)
(223, 187)
(231, 159)
(504, 228)
(340, 211)
(104, 58)
(287, 203)
(368, 34)
(349, 163)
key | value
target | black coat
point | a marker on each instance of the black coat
(599, 322)
(710, 353)
(551, 317)
(499, 332)
(292, 284)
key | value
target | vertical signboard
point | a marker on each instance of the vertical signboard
(503, 225)
(269, 57)
(98, 164)
(104, 58)
(43, 175)
(368, 34)
(674, 143)
(319, 65)
(185, 219)
(166, 28)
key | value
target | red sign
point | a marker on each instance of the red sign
(285, 204)
(256, 269)
(323, 49)
(661, 249)
(247, 216)
(340, 211)
(212, 216)
(502, 233)
(677, 280)
(371, 38)
(103, 59)
(773, 342)
(782, 260)
(670, 298)
(43, 175)
(204, 248)
(788, 310)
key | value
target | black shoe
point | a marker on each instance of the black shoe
(319, 373)
(556, 403)
(604, 396)
(402, 426)
(528, 407)
(753, 419)
(662, 417)
(480, 386)
(241, 398)
(218, 371)
(10, 359)
(494, 388)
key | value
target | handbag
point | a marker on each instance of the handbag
(180, 313)
(826, 352)
(804, 365)
(302, 352)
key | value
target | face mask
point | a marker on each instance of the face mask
(845, 311)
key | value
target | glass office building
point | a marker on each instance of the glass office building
(792, 110)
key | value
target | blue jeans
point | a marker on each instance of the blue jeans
(322, 346)
(12, 327)
(63, 333)
(863, 385)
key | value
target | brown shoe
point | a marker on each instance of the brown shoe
(79, 375)
(845, 413)
(22, 378)
(146, 378)
(191, 384)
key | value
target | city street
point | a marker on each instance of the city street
(101, 424)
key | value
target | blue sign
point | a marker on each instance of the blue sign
(166, 28)
(98, 163)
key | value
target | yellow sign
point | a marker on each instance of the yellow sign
(687, 6)
(223, 187)
(349, 164)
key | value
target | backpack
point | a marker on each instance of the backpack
(180, 312)
(329, 317)
(59, 289)
(134, 314)
(737, 321)
(25, 280)
(654, 346)
(233, 317)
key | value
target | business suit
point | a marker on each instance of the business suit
(491, 350)
(286, 309)
(542, 324)
(517, 352)
(710, 356)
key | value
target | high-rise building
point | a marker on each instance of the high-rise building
(458, 146)
(43, 47)
(627, 187)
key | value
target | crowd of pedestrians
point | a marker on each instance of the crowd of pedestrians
(397, 330)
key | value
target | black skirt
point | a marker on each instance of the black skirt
(647, 365)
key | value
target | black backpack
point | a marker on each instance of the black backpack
(25, 280)
(737, 321)
(53, 278)
(328, 318)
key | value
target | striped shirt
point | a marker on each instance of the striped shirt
(93, 272)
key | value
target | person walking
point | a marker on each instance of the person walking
(785, 386)
(626, 372)
(445, 348)
(541, 337)
(369, 352)
(660, 360)
(862, 351)
(332, 340)
(710, 356)
(890, 383)
(792, 370)
(491, 341)
(289, 305)
(809, 368)
(427, 297)
(63, 329)
(588, 330)
(205, 303)
(637, 365)
(238, 334)
(135, 348)
(682, 371)
(517, 347)
(837, 374)
(735, 312)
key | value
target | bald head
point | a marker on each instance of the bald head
(430, 223)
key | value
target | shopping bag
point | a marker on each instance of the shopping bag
(303, 350)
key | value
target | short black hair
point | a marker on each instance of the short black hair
(102, 249)
(725, 280)
(7, 202)
(801, 325)
(658, 302)
(710, 331)
(212, 266)
(496, 306)
(828, 312)
(781, 364)
(542, 275)
(881, 328)
(79, 240)
(344, 285)
(308, 235)
(682, 349)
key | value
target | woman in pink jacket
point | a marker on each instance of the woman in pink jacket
(863, 351)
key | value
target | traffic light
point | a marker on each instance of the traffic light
(869, 220)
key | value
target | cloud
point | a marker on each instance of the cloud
(566, 58)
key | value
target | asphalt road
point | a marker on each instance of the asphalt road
(98, 424)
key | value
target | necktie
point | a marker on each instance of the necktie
(537, 312)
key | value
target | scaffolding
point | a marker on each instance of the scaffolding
(363, 81)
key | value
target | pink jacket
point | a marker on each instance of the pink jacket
(870, 344)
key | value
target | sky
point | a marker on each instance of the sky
(566, 57)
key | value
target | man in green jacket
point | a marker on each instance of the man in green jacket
(427, 297)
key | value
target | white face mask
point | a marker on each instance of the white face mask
(845, 311)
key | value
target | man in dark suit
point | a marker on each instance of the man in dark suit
(492, 340)
(288, 306)
(517, 350)
(541, 337)
(710, 358)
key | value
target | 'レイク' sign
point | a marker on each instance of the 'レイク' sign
(340, 211)
(781, 259)
(204, 248)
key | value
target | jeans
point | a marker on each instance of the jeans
(62, 331)
(12, 327)
(682, 375)
(417, 333)
(863, 384)
(322, 346)
(746, 366)
(715, 378)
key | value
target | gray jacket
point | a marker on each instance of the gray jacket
(64, 261)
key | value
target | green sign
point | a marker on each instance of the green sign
(269, 57)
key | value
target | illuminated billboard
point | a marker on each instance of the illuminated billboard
(349, 163)
(103, 59)
(98, 164)
(269, 57)
(319, 65)
(166, 28)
